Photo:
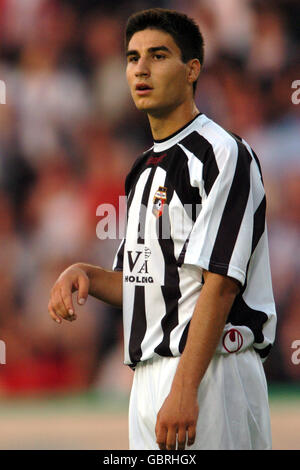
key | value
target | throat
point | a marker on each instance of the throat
(165, 124)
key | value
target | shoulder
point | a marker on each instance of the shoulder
(227, 144)
(218, 137)
(211, 144)
(208, 137)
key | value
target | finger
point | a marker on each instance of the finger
(83, 289)
(191, 435)
(58, 305)
(171, 439)
(181, 438)
(53, 314)
(161, 437)
(66, 297)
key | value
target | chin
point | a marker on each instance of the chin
(144, 108)
(150, 108)
(141, 106)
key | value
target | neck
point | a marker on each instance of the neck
(165, 124)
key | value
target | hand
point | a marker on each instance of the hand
(177, 420)
(61, 304)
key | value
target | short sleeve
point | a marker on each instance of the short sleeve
(221, 238)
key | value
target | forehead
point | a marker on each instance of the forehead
(148, 38)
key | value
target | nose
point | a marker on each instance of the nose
(142, 69)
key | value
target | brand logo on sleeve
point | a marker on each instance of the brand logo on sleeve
(159, 200)
(232, 340)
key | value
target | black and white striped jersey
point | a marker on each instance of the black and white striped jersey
(194, 201)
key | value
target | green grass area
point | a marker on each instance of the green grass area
(110, 401)
(284, 393)
(89, 401)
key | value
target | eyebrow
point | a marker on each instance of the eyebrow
(151, 50)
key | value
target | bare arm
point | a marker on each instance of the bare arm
(101, 283)
(179, 412)
(105, 285)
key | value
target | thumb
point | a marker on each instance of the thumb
(83, 289)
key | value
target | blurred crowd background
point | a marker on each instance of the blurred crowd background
(69, 133)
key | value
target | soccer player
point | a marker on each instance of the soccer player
(192, 273)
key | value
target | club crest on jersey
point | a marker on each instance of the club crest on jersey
(159, 200)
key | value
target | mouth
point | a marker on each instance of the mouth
(143, 89)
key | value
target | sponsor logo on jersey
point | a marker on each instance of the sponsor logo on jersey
(232, 340)
(155, 160)
(147, 252)
(138, 266)
(159, 200)
(139, 279)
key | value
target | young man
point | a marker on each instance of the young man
(192, 273)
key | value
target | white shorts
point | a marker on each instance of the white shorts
(233, 403)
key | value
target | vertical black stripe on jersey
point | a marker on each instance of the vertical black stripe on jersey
(176, 167)
(237, 137)
(183, 338)
(144, 205)
(233, 213)
(120, 257)
(183, 252)
(259, 222)
(241, 313)
(258, 164)
(170, 290)
(203, 150)
(120, 254)
(137, 168)
(130, 198)
(139, 320)
(138, 325)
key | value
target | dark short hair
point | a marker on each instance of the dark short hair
(183, 30)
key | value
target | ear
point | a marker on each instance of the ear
(193, 70)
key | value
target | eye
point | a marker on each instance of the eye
(132, 58)
(159, 56)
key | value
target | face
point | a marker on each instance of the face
(158, 79)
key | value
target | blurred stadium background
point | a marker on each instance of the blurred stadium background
(68, 134)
